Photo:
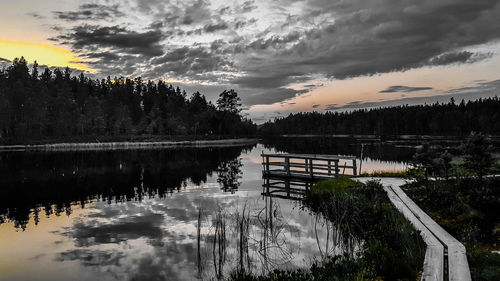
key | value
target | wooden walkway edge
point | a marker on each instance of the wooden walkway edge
(443, 250)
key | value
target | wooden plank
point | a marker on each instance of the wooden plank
(458, 267)
(433, 267)
(309, 156)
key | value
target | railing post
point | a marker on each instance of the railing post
(287, 166)
(306, 165)
(287, 187)
(267, 164)
(329, 167)
(336, 168)
(354, 169)
(311, 167)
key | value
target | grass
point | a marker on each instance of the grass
(468, 209)
(339, 186)
(386, 174)
(389, 248)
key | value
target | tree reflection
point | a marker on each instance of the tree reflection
(229, 174)
(51, 183)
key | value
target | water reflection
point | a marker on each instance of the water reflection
(119, 215)
(371, 149)
(51, 183)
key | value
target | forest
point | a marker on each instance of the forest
(452, 119)
(54, 105)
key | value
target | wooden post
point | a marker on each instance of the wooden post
(306, 165)
(354, 169)
(287, 187)
(267, 164)
(311, 167)
(336, 168)
(329, 167)
(287, 166)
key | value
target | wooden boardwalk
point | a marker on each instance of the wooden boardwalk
(308, 166)
(445, 257)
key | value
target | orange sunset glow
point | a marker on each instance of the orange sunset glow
(44, 54)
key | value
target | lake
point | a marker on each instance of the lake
(177, 214)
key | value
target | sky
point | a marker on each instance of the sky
(281, 56)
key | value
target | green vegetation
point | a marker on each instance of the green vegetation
(464, 201)
(377, 241)
(473, 158)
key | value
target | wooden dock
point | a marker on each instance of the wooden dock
(285, 188)
(307, 166)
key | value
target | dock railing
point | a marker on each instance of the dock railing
(311, 166)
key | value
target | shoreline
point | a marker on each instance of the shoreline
(387, 138)
(124, 145)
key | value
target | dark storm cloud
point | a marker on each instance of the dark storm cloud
(90, 12)
(120, 39)
(107, 57)
(213, 27)
(458, 57)
(196, 12)
(243, 23)
(327, 38)
(274, 41)
(404, 89)
(368, 38)
(184, 61)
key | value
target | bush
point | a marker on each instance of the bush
(478, 157)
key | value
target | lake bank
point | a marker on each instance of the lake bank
(127, 145)
(386, 137)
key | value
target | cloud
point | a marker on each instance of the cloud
(120, 39)
(458, 57)
(90, 12)
(92, 257)
(94, 232)
(274, 41)
(35, 15)
(271, 96)
(261, 47)
(187, 61)
(331, 106)
(247, 7)
(315, 105)
(404, 89)
(482, 89)
(368, 38)
(213, 27)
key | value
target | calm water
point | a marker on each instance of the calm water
(176, 214)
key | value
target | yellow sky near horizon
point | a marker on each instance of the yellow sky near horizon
(44, 54)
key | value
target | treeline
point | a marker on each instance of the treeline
(450, 118)
(55, 104)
